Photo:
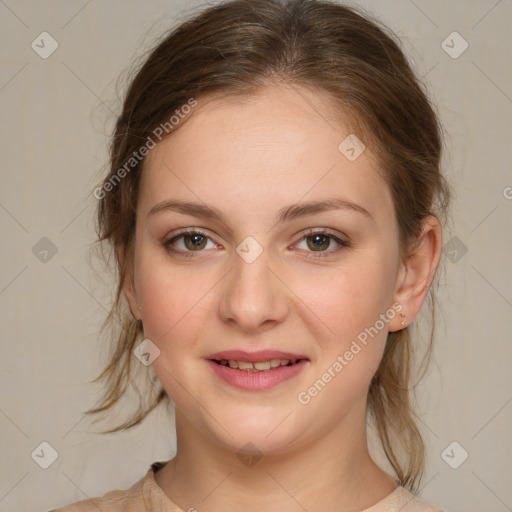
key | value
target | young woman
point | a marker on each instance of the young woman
(274, 203)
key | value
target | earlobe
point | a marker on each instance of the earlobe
(417, 273)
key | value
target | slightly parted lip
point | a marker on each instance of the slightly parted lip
(254, 357)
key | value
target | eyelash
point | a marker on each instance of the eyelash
(315, 254)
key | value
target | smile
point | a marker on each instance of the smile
(255, 370)
(262, 366)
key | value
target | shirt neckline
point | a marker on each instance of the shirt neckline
(156, 499)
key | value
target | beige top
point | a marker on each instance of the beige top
(146, 496)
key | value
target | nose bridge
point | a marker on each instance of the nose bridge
(252, 295)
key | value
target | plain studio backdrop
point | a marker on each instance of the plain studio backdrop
(58, 102)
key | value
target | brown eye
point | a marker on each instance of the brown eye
(188, 242)
(318, 241)
(195, 241)
(321, 244)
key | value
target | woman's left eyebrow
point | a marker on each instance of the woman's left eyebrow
(335, 203)
(286, 213)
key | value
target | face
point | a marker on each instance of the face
(265, 274)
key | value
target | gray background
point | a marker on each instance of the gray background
(57, 114)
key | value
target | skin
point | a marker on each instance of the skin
(249, 157)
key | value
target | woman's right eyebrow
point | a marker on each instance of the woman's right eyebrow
(189, 208)
(286, 213)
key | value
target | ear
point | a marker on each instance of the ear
(128, 284)
(417, 273)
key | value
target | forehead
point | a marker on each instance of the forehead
(277, 145)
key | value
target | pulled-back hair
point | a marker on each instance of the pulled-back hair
(234, 48)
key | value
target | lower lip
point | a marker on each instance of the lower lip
(256, 381)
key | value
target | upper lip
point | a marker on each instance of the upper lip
(254, 357)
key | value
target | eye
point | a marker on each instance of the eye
(192, 240)
(319, 241)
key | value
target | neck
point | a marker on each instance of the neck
(334, 472)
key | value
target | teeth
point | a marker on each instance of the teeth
(261, 366)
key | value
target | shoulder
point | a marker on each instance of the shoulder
(405, 501)
(401, 500)
(128, 500)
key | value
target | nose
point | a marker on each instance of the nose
(253, 298)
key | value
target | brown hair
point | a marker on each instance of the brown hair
(233, 48)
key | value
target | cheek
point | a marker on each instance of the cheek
(347, 327)
(171, 299)
(347, 360)
(170, 292)
(175, 305)
(345, 301)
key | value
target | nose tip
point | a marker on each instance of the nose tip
(252, 298)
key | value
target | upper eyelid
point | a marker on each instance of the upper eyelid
(188, 231)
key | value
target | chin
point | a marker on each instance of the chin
(243, 427)
(249, 431)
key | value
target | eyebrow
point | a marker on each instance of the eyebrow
(286, 213)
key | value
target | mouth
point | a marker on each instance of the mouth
(260, 366)
(256, 371)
